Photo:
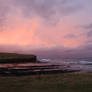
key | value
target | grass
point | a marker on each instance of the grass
(14, 55)
(69, 82)
(16, 58)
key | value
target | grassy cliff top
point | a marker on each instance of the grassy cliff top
(14, 55)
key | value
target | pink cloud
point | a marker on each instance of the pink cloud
(34, 33)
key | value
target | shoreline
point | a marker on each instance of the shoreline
(33, 69)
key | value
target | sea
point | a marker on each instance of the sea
(83, 65)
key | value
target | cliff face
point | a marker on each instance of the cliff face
(16, 58)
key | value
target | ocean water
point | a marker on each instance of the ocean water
(84, 65)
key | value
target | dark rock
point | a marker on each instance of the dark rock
(16, 58)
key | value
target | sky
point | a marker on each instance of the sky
(47, 28)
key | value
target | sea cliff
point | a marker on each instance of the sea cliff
(16, 58)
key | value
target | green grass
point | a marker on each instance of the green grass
(70, 82)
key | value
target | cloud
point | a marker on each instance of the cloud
(61, 52)
(16, 21)
(87, 31)
(47, 9)
(3, 13)
(87, 26)
(89, 34)
(70, 36)
(25, 27)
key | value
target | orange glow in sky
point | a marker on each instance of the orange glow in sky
(33, 33)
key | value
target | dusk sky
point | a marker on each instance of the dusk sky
(47, 28)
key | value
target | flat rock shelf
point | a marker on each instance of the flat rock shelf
(32, 69)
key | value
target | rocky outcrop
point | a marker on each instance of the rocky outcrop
(16, 58)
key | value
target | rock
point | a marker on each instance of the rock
(16, 58)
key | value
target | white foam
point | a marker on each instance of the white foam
(45, 60)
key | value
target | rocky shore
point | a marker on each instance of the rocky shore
(32, 69)
(20, 65)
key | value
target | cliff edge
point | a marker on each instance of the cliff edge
(16, 58)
